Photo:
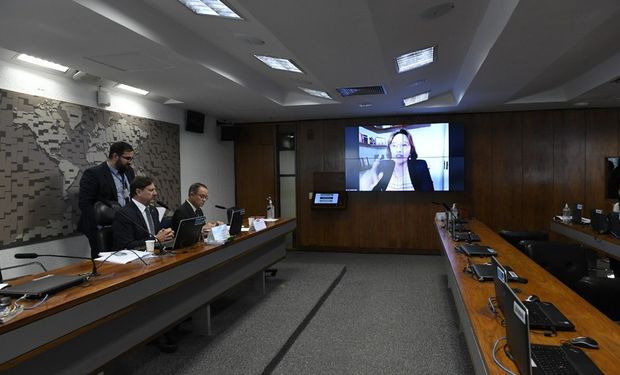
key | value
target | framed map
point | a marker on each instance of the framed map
(45, 145)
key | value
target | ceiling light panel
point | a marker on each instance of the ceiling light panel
(318, 93)
(416, 59)
(41, 62)
(136, 90)
(279, 63)
(210, 8)
(416, 99)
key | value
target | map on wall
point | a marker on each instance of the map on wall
(45, 145)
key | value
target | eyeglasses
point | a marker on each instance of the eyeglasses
(128, 158)
(203, 197)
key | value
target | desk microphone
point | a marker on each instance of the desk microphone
(139, 225)
(35, 255)
(162, 205)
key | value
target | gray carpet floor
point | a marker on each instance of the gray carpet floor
(387, 314)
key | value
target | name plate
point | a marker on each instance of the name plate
(259, 224)
(218, 235)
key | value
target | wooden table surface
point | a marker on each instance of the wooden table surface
(487, 327)
(168, 270)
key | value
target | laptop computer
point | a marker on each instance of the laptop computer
(543, 315)
(488, 271)
(599, 221)
(188, 233)
(472, 250)
(234, 221)
(39, 287)
(534, 359)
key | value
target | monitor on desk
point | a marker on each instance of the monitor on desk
(235, 219)
(600, 221)
(188, 232)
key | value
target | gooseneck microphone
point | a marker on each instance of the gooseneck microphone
(35, 255)
(220, 207)
(162, 204)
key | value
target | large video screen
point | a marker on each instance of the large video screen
(413, 157)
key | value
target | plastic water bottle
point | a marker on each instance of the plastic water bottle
(455, 212)
(271, 209)
(566, 214)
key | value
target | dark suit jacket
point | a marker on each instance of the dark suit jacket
(97, 184)
(130, 229)
(418, 171)
(185, 211)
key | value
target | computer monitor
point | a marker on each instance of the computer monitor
(614, 219)
(235, 219)
(188, 232)
(599, 221)
(499, 279)
(517, 331)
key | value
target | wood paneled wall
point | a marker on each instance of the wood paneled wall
(521, 168)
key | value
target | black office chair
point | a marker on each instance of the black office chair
(104, 216)
(515, 237)
(569, 263)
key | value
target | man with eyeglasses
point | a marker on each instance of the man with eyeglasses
(107, 182)
(197, 196)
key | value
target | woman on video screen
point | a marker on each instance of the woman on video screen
(401, 172)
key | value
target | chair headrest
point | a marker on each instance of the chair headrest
(104, 213)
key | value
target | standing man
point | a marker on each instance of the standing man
(137, 221)
(197, 196)
(108, 182)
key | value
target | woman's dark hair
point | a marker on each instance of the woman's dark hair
(413, 155)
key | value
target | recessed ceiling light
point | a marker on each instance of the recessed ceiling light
(416, 99)
(365, 105)
(41, 62)
(319, 93)
(211, 8)
(416, 59)
(581, 104)
(172, 101)
(279, 63)
(136, 90)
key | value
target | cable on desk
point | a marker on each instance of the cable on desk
(32, 306)
(497, 362)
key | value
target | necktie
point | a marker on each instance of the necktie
(125, 190)
(149, 220)
(199, 212)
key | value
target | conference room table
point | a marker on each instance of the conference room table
(482, 328)
(80, 329)
(606, 243)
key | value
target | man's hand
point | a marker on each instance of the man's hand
(165, 235)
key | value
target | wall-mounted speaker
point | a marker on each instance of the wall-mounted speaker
(103, 98)
(229, 132)
(195, 122)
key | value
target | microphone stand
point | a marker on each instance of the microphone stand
(35, 255)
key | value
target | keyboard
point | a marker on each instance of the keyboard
(551, 360)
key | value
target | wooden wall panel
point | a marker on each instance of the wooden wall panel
(537, 170)
(602, 142)
(255, 168)
(521, 168)
(569, 147)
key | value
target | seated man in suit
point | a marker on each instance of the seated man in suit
(197, 196)
(138, 221)
(107, 182)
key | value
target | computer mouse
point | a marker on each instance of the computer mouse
(584, 342)
(532, 298)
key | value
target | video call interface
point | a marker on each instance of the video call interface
(382, 157)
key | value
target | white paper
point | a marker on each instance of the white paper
(123, 256)
(218, 235)
(270, 220)
(259, 224)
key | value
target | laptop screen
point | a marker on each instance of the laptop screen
(188, 232)
(517, 331)
(498, 280)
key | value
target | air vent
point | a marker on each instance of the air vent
(364, 90)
